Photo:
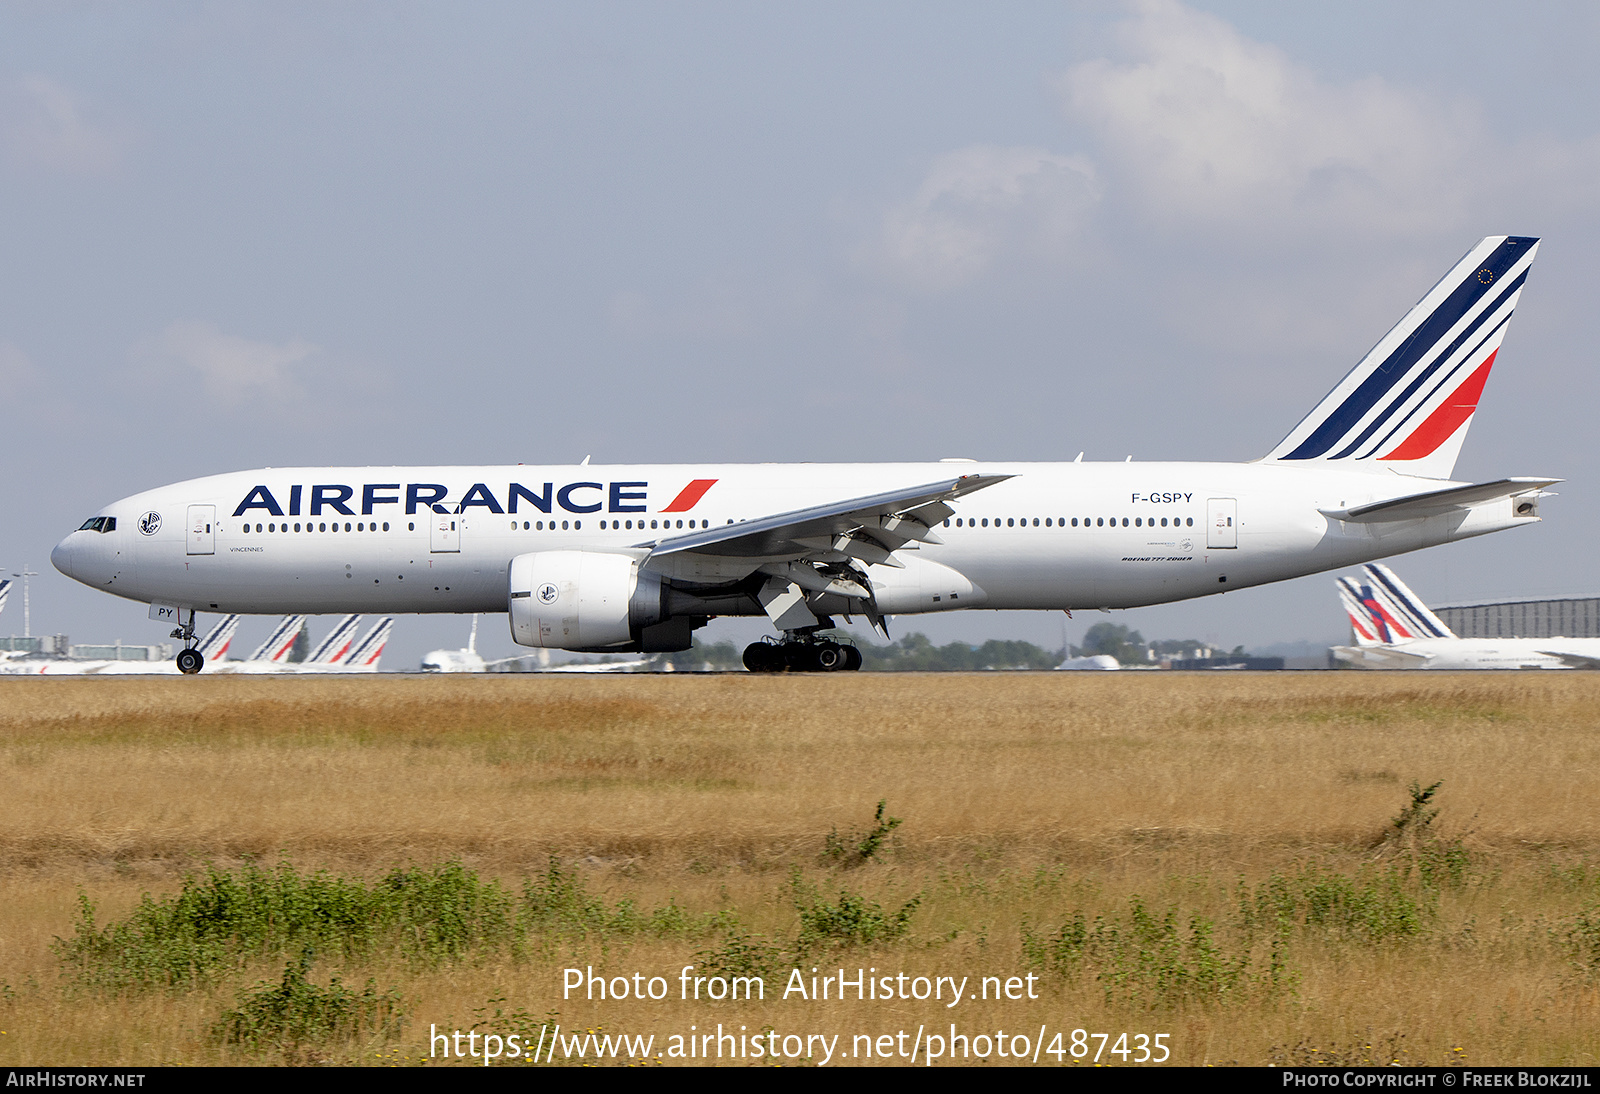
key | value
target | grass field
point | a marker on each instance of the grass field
(1250, 865)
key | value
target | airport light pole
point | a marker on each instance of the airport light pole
(27, 619)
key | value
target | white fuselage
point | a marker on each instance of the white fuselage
(1054, 536)
(1470, 654)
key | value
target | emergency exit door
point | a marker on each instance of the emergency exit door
(202, 530)
(1222, 520)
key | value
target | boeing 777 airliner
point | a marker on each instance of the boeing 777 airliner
(623, 558)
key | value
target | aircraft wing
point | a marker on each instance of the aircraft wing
(1573, 660)
(868, 528)
(1434, 502)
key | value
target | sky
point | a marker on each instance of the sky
(240, 235)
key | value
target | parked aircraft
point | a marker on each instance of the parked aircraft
(1095, 662)
(635, 558)
(1394, 630)
(339, 652)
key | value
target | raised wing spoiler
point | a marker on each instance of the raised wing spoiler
(1434, 502)
(875, 525)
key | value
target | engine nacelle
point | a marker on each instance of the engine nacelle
(583, 600)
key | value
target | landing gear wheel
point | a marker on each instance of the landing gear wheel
(762, 657)
(800, 657)
(830, 657)
(190, 661)
(852, 659)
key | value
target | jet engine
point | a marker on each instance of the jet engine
(591, 600)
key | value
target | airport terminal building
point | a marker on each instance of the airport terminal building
(1562, 617)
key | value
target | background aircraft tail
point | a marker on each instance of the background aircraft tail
(217, 640)
(278, 644)
(1403, 604)
(1408, 403)
(5, 591)
(336, 647)
(367, 651)
(1367, 630)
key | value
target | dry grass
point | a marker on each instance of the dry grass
(1025, 798)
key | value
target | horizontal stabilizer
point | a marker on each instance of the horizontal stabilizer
(1381, 657)
(1573, 660)
(1434, 502)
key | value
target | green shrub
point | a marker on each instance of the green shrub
(295, 1013)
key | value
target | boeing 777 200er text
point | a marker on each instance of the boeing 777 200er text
(637, 557)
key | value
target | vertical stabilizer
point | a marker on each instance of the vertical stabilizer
(366, 653)
(1408, 403)
(281, 641)
(1405, 604)
(216, 642)
(336, 647)
(1367, 630)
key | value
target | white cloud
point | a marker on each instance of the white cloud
(1206, 127)
(979, 203)
(46, 125)
(232, 369)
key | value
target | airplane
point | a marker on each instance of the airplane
(636, 558)
(1394, 630)
(1095, 662)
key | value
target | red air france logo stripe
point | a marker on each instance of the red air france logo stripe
(1443, 422)
(690, 496)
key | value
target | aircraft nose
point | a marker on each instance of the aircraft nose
(61, 557)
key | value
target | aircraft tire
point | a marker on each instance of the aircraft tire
(190, 662)
(830, 657)
(762, 657)
(801, 657)
(852, 659)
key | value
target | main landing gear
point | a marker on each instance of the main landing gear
(801, 654)
(190, 660)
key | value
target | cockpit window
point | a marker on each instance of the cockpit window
(99, 524)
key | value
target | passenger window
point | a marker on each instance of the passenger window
(1124, 522)
(1036, 522)
(1099, 522)
(1046, 522)
(1190, 522)
(1074, 522)
(385, 526)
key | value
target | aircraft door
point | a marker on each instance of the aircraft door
(202, 530)
(446, 535)
(1222, 523)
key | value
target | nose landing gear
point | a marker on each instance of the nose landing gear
(190, 660)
